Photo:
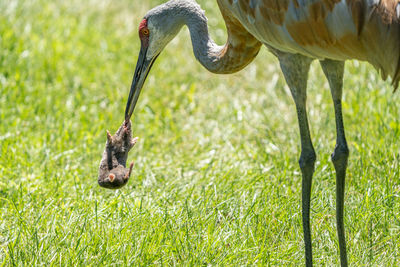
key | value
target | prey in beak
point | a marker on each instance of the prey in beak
(113, 173)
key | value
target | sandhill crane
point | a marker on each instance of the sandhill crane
(296, 32)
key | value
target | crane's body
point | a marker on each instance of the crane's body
(297, 32)
(334, 29)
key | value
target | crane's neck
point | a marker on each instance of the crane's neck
(204, 48)
(239, 50)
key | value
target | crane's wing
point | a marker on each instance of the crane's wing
(338, 29)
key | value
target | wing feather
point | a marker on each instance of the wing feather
(338, 29)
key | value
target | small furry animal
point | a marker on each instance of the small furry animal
(113, 173)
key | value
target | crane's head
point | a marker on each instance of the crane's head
(156, 30)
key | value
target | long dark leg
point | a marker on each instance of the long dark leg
(334, 72)
(295, 69)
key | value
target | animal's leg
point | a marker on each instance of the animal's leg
(295, 69)
(334, 72)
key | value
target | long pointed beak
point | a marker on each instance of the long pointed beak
(143, 67)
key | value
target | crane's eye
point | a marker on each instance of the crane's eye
(145, 31)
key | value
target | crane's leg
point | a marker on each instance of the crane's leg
(295, 69)
(334, 72)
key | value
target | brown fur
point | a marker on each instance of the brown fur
(112, 171)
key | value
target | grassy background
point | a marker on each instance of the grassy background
(216, 179)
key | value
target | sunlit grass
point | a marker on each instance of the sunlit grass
(216, 179)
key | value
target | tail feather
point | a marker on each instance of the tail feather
(381, 35)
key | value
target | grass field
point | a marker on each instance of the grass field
(216, 180)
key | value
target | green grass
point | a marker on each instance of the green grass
(216, 179)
